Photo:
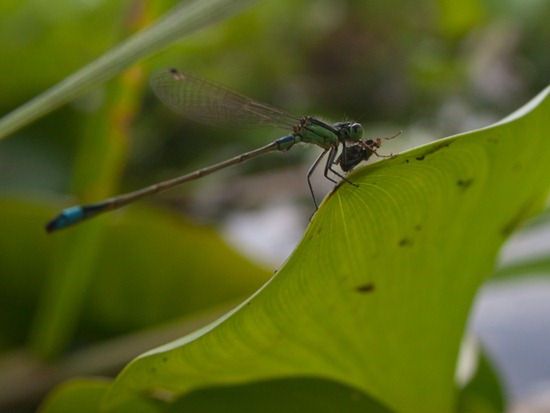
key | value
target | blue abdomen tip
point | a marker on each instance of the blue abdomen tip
(67, 217)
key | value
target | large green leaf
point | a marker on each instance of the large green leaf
(377, 294)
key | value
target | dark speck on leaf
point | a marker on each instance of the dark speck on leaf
(464, 183)
(365, 288)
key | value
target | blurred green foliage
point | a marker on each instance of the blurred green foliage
(438, 66)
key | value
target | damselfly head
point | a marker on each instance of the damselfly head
(356, 131)
(349, 131)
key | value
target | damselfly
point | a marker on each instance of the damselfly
(212, 104)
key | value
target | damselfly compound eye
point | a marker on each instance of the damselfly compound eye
(355, 131)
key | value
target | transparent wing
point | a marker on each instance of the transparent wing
(213, 104)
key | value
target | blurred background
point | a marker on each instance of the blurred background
(431, 68)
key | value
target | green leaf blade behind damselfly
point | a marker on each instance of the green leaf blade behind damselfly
(184, 19)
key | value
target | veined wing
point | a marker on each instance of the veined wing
(213, 104)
